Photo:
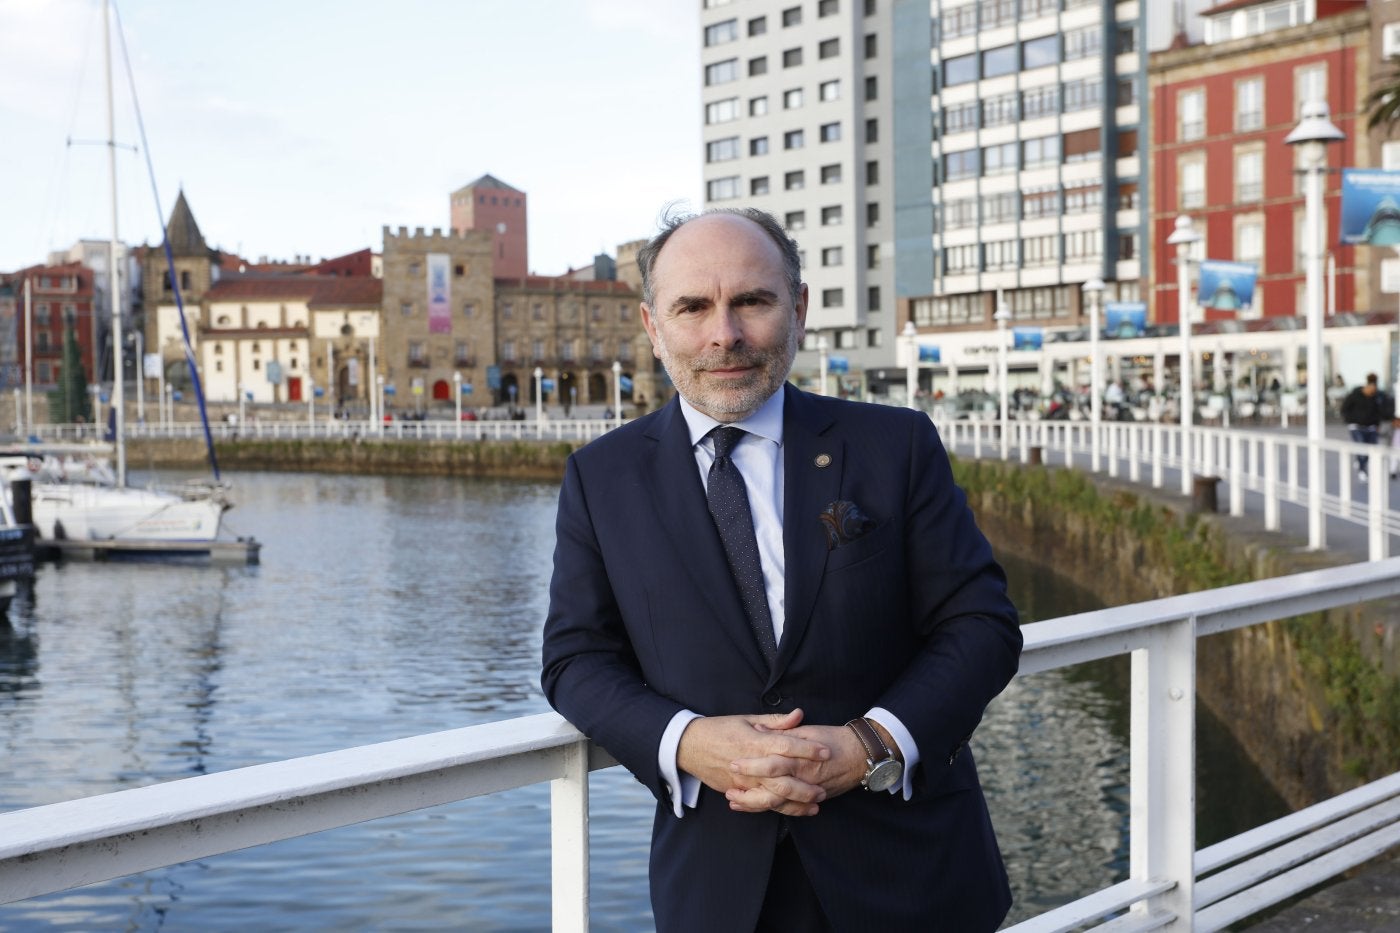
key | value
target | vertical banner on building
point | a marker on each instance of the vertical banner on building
(439, 295)
(1226, 286)
(1125, 318)
(1027, 338)
(1370, 207)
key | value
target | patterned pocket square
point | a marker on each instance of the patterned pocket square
(843, 523)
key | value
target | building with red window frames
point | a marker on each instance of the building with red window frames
(1220, 110)
(58, 293)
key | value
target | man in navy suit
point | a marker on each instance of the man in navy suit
(792, 658)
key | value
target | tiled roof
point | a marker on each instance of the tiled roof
(183, 232)
(489, 181)
(316, 291)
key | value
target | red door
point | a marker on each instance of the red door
(294, 388)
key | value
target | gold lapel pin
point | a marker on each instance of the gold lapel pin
(823, 460)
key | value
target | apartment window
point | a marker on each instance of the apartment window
(406, 308)
(960, 259)
(872, 130)
(1249, 104)
(537, 311)
(1126, 40)
(958, 118)
(415, 353)
(722, 72)
(960, 21)
(870, 45)
(758, 66)
(1040, 250)
(1249, 173)
(827, 7)
(1083, 94)
(722, 111)
(872, 256)
(1083, 244)
(1128, 244)
(872, 213)
(1083, 199)
(829, 48)
(872, 173)
(758, 106)
(1309, 83)
(1044, 150)
(722, 150)
(1032, 303)
(999, 110)
(1249, 238)
(830, 132)
(795, 220)
(831, 256)
(792, 57)
(961, 212)
(758, 26)
(1037, 53)
(998, 160)
(999, 254)
(872, 88)
(833, 297)
(964, 164)
(998, 12)
(722, 32)
(758, 146)
(1191, 180)
(999, 208)
(1041, 202)
(1040, 102)
(1083, 43)
(999, 61)
(829, 90)
(831, 174)
(1127, 143)
(792, 98)
(961, 69)
(42, 342)
(469, 309)
(792, 16)
(1082, 145)
(831, 216)
(1191, 114)
(793, 139)
(1127, 92)
(758, 185)
(722, 189)
(795, 181)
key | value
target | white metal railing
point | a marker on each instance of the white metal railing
(1272, 464)
(65, 845)
(549, 429)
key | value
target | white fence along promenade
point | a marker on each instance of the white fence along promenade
(66, 845)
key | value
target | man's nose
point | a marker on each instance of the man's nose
(726, 330)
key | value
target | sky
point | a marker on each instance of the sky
(303, 127)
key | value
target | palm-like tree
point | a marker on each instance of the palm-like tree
(1384, 102)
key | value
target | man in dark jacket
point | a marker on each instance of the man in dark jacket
(1362, 410)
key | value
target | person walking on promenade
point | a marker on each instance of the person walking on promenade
(776, 610)
(1362, 410)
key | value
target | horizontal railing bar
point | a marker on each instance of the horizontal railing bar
(1220, 915)
(1086, 910)
(1135, 922)
(1291, 854)
(1284, 828)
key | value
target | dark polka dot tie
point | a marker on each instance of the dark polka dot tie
(729, 506)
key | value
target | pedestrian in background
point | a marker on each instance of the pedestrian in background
(1362, 410)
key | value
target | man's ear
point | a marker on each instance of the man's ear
(802, 312)
(649, 322)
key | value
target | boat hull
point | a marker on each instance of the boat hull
(95, 513)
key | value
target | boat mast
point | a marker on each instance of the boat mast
(118, 419)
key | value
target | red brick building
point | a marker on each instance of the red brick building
(1219, 113)
(490, 204)
(59, 293)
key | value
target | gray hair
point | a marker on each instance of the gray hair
(671, 222)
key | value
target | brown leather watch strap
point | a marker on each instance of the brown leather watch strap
(875, 748)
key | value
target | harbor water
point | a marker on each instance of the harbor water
(387, 607)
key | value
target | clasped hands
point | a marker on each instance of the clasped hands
(772, 762)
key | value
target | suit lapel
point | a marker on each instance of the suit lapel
(678, 498)
(813, 462)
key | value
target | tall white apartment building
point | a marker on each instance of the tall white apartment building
(797, 111)
(934, 158)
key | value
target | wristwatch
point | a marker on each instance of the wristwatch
(882, 769)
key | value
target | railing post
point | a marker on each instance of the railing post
(1271, 457)
(1377, 538)
(568, 797)
(1162, 809)
(1134, 453)
(1236, 475)
(1157, 455)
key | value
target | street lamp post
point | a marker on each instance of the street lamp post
(1312, 134)
(617, 393)
(821, 364)
(910, 336)
(539, 402)
(1093, 291)
(457, 397)
(1182, 238)
(1003, 314)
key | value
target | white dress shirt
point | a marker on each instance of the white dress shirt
(759, 459)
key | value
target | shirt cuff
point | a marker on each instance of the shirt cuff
(683, 788)
(907, 747)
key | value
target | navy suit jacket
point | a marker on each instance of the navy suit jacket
(645, 620)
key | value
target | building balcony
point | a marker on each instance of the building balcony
(417, 364)
(465, 362)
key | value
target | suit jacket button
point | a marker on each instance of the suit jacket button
(772, 698)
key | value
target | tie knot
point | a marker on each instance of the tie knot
(726, 438)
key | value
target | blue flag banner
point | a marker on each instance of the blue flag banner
(389, 389)
(929, 354)
(1125, 318)
(547, 385)
(466, 388)
(493, 377)
(625, 382)
(1226, 286)
(838, 364)
(318, 391)
(1370, 207)
(1027, 338)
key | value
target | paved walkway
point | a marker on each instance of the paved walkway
(1368, 901)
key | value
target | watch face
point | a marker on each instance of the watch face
(884, 775)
